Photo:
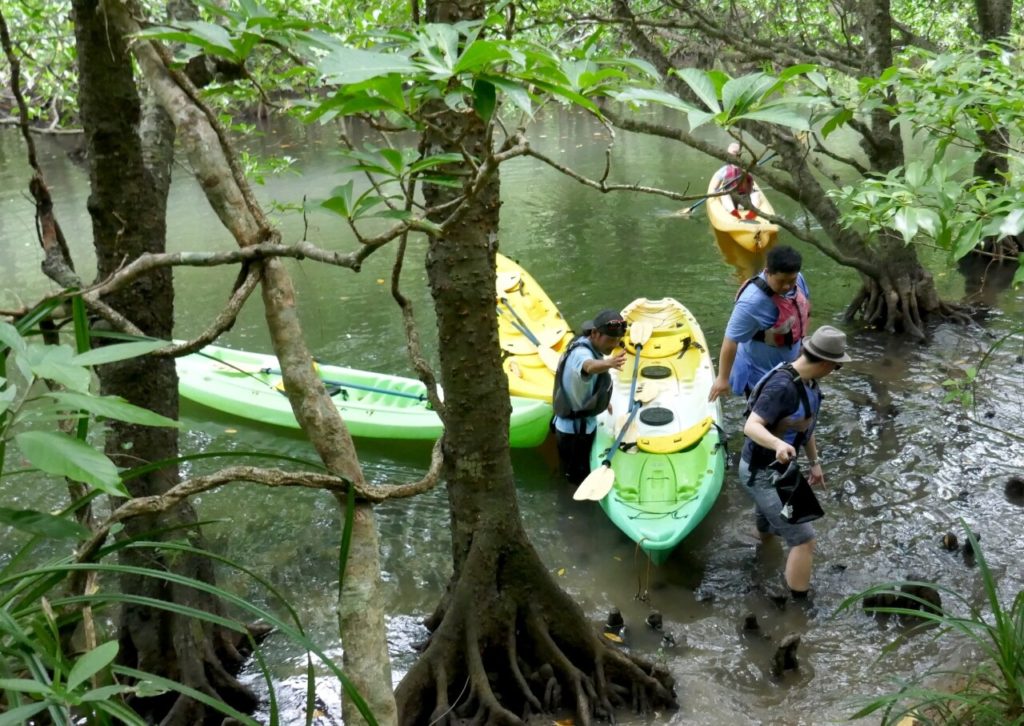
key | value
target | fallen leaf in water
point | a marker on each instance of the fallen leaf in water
(231, 431)
(565, 722)
(380, 280)
(616, 558)
(612, 637)
(561, 572)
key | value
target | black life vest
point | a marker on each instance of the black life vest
(597, 401)
(791, 373)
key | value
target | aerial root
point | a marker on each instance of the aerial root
(491, 711)
(582, 687)
(441, 706)
(520, 679)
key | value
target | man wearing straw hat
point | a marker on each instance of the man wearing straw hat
(783, 411)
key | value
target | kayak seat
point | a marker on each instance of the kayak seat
(679, 441)
(665, 343)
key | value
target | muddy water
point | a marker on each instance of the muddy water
(903, 467)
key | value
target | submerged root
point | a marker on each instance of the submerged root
(524, 654)
(901, 304)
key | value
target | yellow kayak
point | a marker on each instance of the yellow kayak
(531, 332)
(751, 234)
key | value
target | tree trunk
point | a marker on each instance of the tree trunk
(506, 640)
(884, 145)
(994, 23)
(216, 168)
(128, 210)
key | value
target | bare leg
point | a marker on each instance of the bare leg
(798, 566)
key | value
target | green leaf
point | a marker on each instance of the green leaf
(113, 407)
(42, 524)
(915, 174)
(118, 352)
(10, 337)
(484, 99)
(837, 120)
(62, 455)
(738, 93)
(7, 396)
(351, 65)
(798, 70)
(435, 160)
(516, 92)
(968, 239)
(103, 693)
(92, 663)
(24, 685)
(700, 83)
(653, 95)
(1013, 224)
(20, 715)
(340, 201)
(211, 36)
(56, 363)
(777, 115)
(480, 54)
(905, 223)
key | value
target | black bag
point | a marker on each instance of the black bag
(799, 504)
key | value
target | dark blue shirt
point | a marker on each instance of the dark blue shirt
(781, 406)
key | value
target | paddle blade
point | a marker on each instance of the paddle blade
(548, 357)
(506, 282)
(597, 484)
(550, 337)
(640, 332)
(647, 392)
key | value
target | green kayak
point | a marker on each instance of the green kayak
(670, 467)
(374, 405)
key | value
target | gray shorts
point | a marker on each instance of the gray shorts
(757, 484)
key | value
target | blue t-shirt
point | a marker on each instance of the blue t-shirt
(578, 388)
(780, 401)
(752, 312)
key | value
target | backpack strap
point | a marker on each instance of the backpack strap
(794, 378)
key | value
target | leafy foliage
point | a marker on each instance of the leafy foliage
(948, 101)
(40, 672)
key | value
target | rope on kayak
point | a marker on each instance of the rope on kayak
(650, 516)
(643, 581)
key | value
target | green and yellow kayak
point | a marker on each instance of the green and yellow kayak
(374, 405)
(669, 469)
(531, 332)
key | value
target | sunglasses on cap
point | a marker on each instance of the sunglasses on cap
(613, 328)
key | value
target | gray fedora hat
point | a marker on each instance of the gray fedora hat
(829, 344)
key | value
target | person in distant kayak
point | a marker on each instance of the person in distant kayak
(583, 389)
(740, 184)
(769, 318)
(783, 411)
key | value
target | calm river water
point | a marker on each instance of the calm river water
(903, 466)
